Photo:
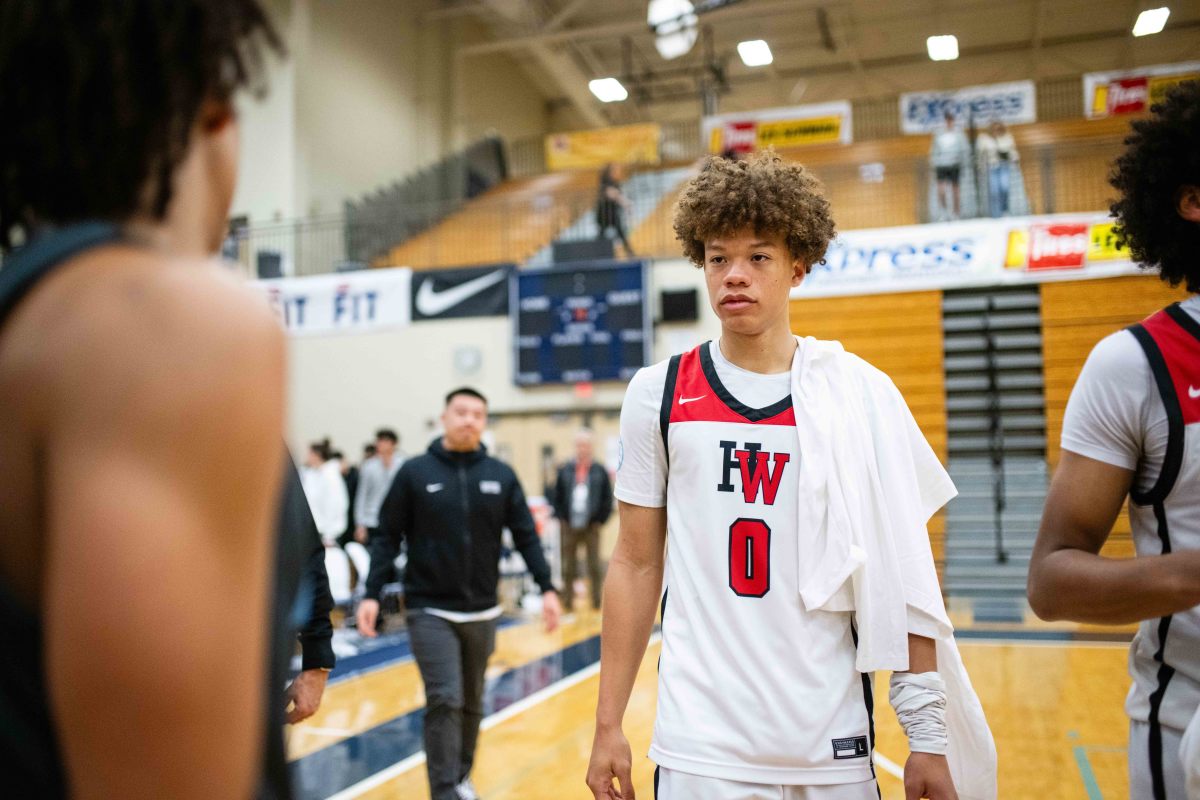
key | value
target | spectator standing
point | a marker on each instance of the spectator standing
(952, 196)
(451, 505)
(326, 491)
(582, 502)
(1001, 165)
(374, 479)
(611, 203)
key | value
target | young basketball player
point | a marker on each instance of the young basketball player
(1132, 429)
(759, 695)
(142, 397)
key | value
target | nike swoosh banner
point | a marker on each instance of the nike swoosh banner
(454, 293)
(352, 302)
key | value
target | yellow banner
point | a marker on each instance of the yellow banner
(1102, 244)
(628, 144)
(798, 132)
(1161, 85)
(1017, 252)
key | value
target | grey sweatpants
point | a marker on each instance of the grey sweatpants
(452, 658)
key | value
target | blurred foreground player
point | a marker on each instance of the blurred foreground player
(770, 468)
(138, 558)
(451, 506)
(1132, 429)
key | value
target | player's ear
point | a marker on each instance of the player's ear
(1188, 203)
(799, 270)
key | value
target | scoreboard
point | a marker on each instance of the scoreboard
(580, 323)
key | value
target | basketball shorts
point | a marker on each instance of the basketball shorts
(1142, 767)
(671, 784)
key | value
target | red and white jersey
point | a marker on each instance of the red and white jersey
(752, 687)
(1137, 405)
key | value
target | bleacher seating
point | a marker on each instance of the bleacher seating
(508, 223)
(1065, 166)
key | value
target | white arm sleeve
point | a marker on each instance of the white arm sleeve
(1104, 419)
(642, 469)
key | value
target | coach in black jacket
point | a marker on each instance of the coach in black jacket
(451, 505)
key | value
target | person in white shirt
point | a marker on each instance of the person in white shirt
(1132, 430)
(952, 195)
(759, 696)
(1001, 168)
(326, 491)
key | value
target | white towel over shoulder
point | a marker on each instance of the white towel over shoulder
(869, 482)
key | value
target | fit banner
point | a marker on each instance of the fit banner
(352, 302)
(625, 144)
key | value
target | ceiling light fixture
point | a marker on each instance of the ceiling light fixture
(942, 48)
(755, 53)
(1152, 20)
(674, 23)
(608, 90)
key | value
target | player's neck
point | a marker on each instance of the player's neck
(766, 353)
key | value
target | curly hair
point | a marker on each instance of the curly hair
(99, 98)
(1162, 156)
(765, 194)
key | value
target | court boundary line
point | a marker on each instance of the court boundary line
(503, 715)
(888, 766)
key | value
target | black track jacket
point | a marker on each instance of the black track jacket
(451, 509)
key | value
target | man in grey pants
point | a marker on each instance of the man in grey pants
(451, 505)
(582, 502)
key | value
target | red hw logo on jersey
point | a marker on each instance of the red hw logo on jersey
(760, 472)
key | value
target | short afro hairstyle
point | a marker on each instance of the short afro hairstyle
(1162, 156)
(98, 100)
(764, 193)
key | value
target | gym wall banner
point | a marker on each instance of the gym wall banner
(352, 302)
(795, 126)
(982, 252)
(456, 293)
(625, 144)
(1107, 94)
(1011, 103)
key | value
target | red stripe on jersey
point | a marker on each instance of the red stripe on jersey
(1181, 352)
(696, 400)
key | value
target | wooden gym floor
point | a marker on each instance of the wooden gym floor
(1054, 702)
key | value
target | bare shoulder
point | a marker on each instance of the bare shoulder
(124, 329)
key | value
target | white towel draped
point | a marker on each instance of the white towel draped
(869, 482)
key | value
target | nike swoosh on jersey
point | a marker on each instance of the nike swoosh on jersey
(1193, 392)
(686, 400)
(433, 487)
(431, 302)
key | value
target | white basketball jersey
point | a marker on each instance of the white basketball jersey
(1165, 657)
(752, 687)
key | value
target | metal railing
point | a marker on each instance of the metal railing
(520, 226)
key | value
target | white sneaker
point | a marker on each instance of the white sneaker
(466, 791)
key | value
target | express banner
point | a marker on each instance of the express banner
(625, 144)
(353, 302)
(1011, 103)
(969, 253)
(1107, 94)
(796, 126)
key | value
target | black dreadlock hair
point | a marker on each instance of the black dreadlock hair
(98, 99)
(1162, 156)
